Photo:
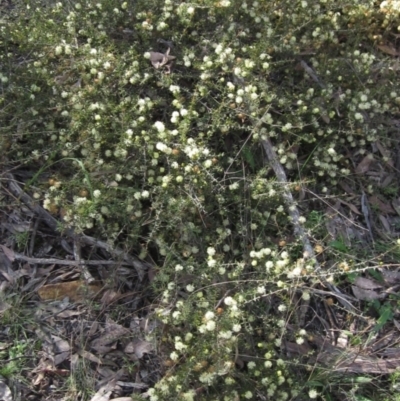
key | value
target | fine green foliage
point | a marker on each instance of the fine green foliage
(171, 165)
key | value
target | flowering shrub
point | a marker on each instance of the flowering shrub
(171, 163)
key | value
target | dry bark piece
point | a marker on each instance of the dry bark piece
(366, 289)
(76, 291)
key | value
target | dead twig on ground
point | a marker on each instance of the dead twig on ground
(140, 266)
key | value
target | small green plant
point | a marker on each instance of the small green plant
(21, 240)
(13, 361)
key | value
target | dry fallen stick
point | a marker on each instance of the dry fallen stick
(294, 214)
(64, 262)
(139, 265)
(289, 201)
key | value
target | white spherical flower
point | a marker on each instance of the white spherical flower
(210, 326)
(267, 364)
(296, 271)
(209, 315)
(236, 328)
(190, 10)
(178, 268)
(207, 163)
(261, 290)
(248, 395)
(313, 393)
(179, 345)
(159, 126)
(211, 263)
(251, 365)
(282, 307)
(145, 194)
(211, 251)
(225, 334)
(174, 356)
(174, 89)
(190, 288)
(161, 146)
(97, 193)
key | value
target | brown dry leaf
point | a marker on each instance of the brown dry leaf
(110, 296)
(384, 152)
(347, 187)
(60, 345)
(4, 346)
(388, 49)
(391, 277)
(8, 252)
(122, 399)
(387, 180)
(61, 349)
(366, 289)
(65, 314)
(74, 362)
(3, 307)
(141, 347)
(90, 356)
(148, 325)
(105, 391)
(379, 204)
(5, 392)
(151, 273)
(396, 205)
(113, 332)
(6, 268)
(102, 395)
(76, 291)
(365, 164)
(385, 223)
(351, 206)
